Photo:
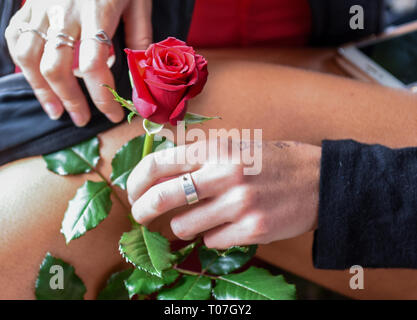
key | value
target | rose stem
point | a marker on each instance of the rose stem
(147, 146)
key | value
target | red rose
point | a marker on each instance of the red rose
(165, 76)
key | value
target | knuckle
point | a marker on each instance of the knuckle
(104, 106)
(235, 172)
(89, 64)
(259, 229)
(25, 57)
(157, 199)
(9, 33)
(50, 71)
(74, 105)
(243, 200)
(248, 197)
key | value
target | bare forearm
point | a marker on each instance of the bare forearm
(309, 106)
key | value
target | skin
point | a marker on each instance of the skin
(281, 202)
(49, 69)
(305, 106)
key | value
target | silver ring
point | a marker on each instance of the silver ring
(27, 29)
(65, 36)
(60, 39)
(189, 189)
(102, 37)
(58, 42)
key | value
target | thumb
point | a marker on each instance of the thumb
(138, 24)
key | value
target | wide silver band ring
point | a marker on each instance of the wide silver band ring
(35, 31)
(189, 188)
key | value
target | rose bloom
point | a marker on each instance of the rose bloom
(165, 76)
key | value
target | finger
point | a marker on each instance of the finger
(138, 24)
(93, 61)
(155, 166)
(21, 18)
(56, 65)
(27, 52)
(246, 231)
(214, 213)
(169, 195)
(56, 68)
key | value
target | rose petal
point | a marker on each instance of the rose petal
(144, 100)
(144, 108)
(201, 67)
(179, 112)
(171, 42)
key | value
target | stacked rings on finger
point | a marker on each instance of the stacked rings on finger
(37, 32)
(189, 189)
(62, 39)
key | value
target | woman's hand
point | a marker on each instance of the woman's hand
(234, 209)
(48, 68)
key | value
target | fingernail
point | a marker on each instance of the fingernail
(79, 119)
(115, 116)
(54, 111)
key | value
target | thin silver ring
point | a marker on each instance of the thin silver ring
(102, 37)
(65, 36)
(27, 29)
(189, 189)
(58, 42)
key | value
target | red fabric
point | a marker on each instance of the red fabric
(220, 23)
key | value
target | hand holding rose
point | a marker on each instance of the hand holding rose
(234, 209)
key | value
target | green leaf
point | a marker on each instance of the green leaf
(232, 259)
(152, 127)
(74, 160)
(183, 253)
(146, 250)
(57, 281)
(128, 104)
(188, 288)
(141, 282)
(115, 288)
(192, 118)
(253, 284)
(129, 156)
(86, 210)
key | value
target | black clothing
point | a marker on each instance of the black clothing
(367, 207)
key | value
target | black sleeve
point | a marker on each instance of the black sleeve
(331, 18)
(367, 207)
